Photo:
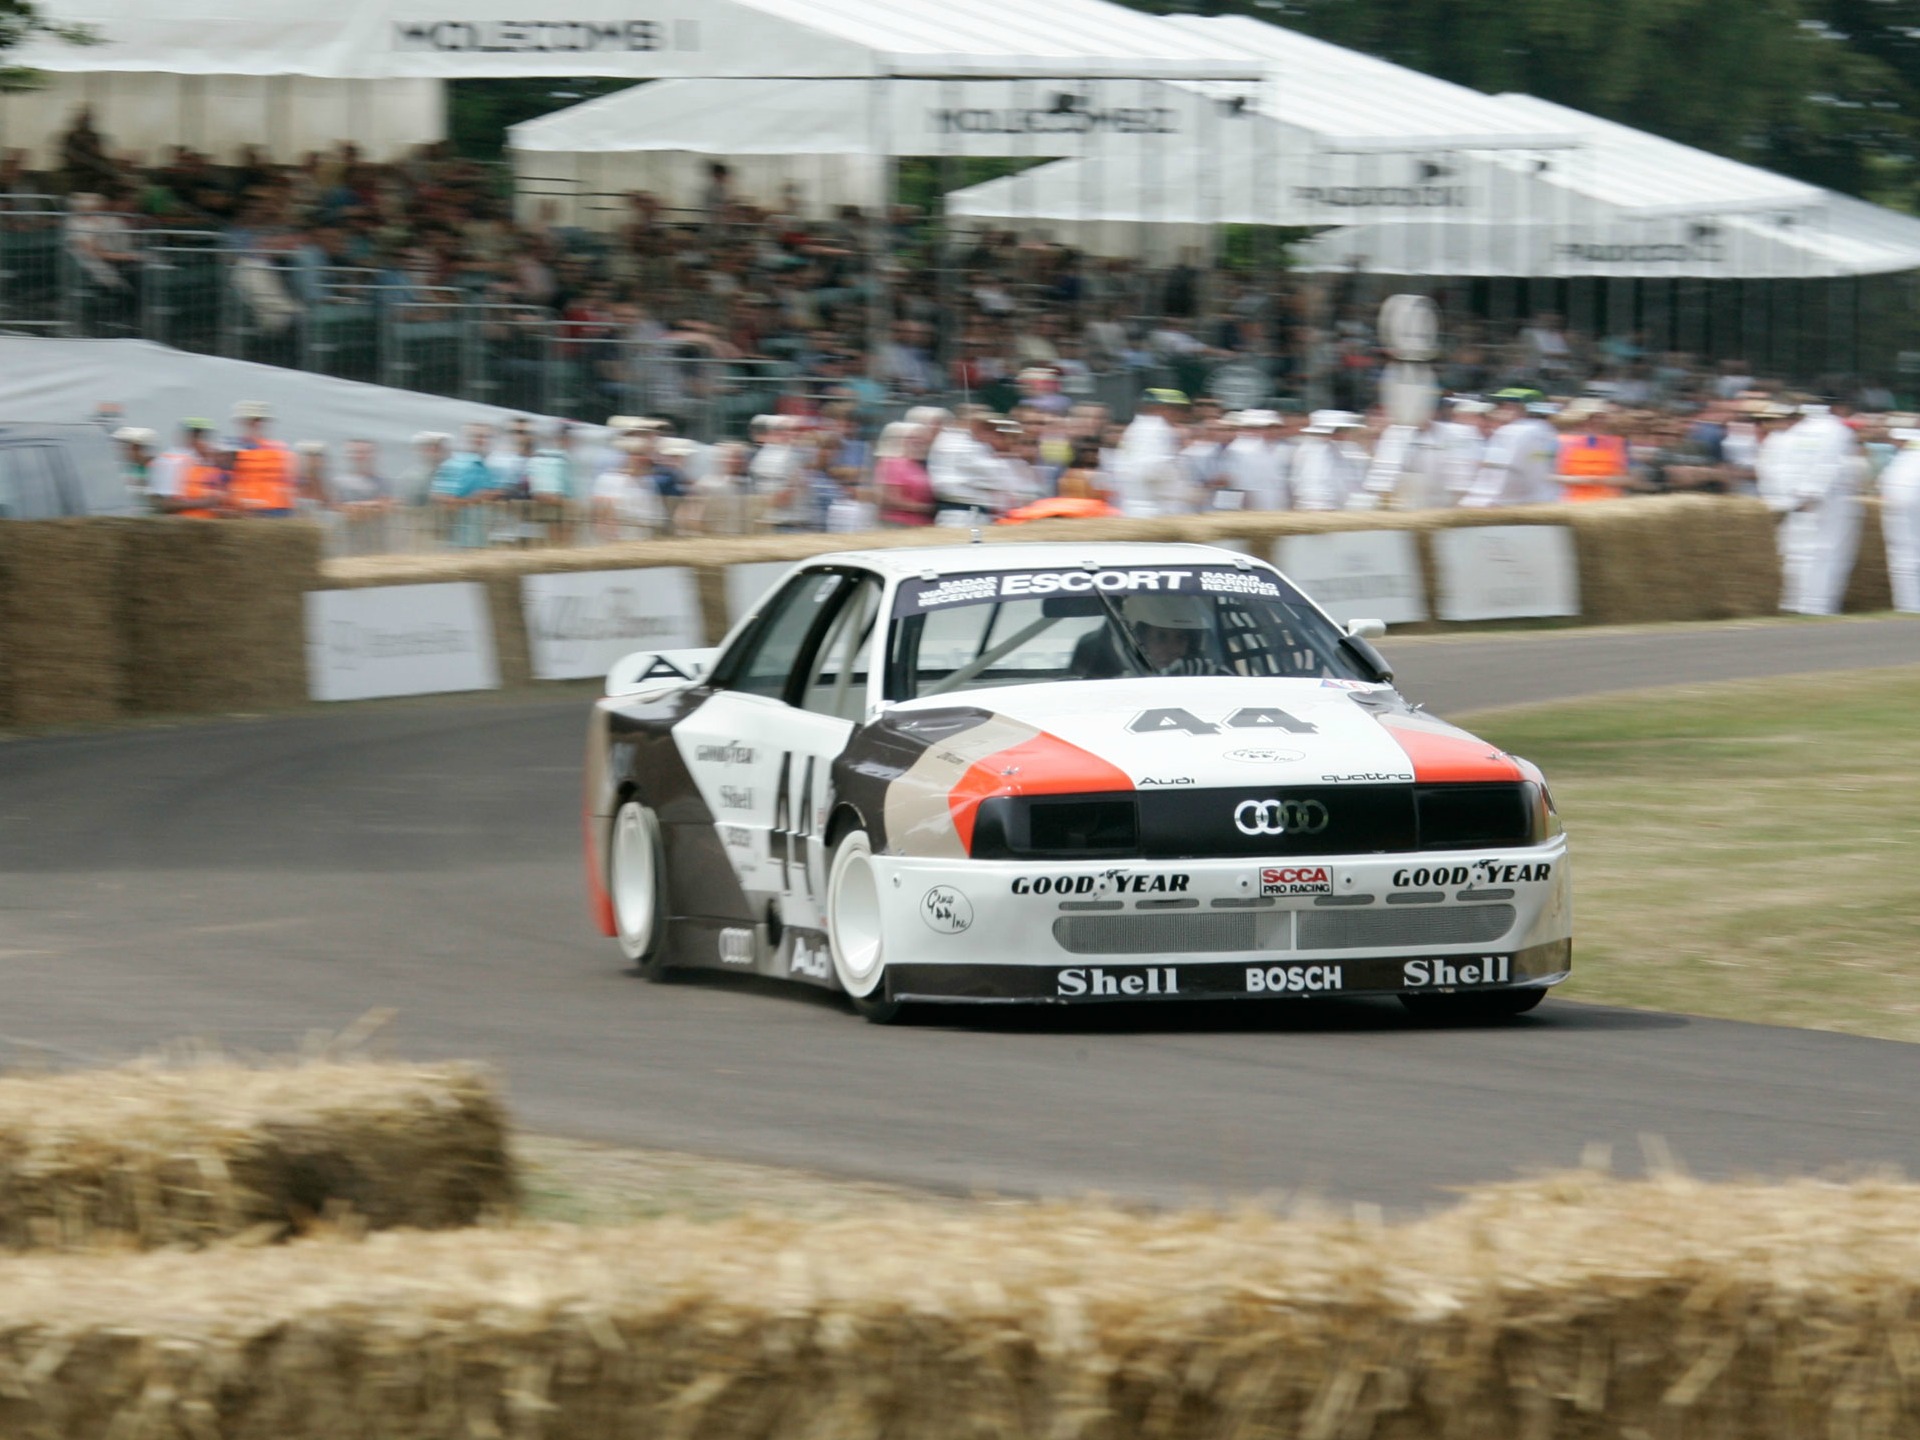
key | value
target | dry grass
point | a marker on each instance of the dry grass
(1570, 1307)
(170, 1153)
(1749, 849)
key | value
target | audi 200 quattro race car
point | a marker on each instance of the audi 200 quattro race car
(1065, 773)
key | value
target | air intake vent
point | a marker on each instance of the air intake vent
(1136, 934)
(1395, 929)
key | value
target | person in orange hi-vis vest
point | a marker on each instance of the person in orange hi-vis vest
(265, 475)
(190, 481)
(1593, 457)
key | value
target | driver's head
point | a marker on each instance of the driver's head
(1168, 628)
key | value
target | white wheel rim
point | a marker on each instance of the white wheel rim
(854, 929)
(635, 881)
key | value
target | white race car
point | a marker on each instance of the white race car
(1065, 773)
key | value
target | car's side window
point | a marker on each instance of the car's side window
(837, 684)
(774, 646)
(26, 483)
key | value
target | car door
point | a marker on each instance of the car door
(761, 748)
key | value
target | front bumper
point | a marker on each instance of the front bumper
(1024, 931)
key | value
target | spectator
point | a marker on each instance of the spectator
(626, 500)
(906, 491)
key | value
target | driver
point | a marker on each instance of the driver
(1171, 631)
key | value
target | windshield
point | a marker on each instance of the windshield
(957, 633)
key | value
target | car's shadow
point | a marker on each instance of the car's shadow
(1194, 1017)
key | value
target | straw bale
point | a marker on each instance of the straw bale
(1870, 587)
(62, 646)
(158, 1154)
(214, 613)
(1574, 1306)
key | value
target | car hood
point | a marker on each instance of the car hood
(1175, 732)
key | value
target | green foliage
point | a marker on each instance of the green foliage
(1825, 90)
(480, 111)
(21, 21)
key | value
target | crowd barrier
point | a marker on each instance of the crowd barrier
(1568, 1307)
(151, 1155)
(103, 619)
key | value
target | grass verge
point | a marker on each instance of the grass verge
(1745, 849)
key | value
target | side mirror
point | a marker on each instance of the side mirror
(1367, 629)
(1370, 659)
(658, 670)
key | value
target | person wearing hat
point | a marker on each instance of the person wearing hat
(190, 480)
(626, 499)
(1521, 456)
(1146, 470)
(136, 456)
(1900, 514)
(1327, 466)
(963, 465)
(265, 476)
(1591, 461)
(1823, 473)
(1258, 461)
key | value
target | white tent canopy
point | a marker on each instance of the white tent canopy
(286, 117)
(829, 138)
(643, 39)
(1737, 247)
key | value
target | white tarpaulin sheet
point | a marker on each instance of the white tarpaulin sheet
(645, 39)
(66, 380)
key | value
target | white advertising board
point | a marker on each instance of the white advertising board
(747, 583)
(578, 624)
(1505, 572)
(1355, 574)
(399, 640)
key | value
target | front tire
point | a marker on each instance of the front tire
(636, 881)
(1474, 1008)
(855, 932)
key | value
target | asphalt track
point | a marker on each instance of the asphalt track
(256, 881)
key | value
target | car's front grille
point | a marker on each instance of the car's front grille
(1264, 822)
(1271, 932)
(1395, 929)
(1160, 934)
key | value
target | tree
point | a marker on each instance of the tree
(1825, 90)
(21, 21)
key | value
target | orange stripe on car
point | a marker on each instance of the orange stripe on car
(1442, 753)
(1044, 765)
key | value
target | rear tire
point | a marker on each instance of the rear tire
(1474, 1009)
(636, 882)
(855, 932)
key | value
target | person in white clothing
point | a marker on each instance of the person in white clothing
(1825, 470)
(1460, 443)
(1258, 462)
(1521, 457)
(1146, 468)
(1327, 466)
(963, 464)
(1900, 519)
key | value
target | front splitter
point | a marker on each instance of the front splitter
(1151, 979)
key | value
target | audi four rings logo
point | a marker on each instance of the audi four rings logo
(1280, 817)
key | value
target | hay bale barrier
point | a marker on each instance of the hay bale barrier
(152, 1155)
(1574, 1307)
(215, 614)
(63, 643)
